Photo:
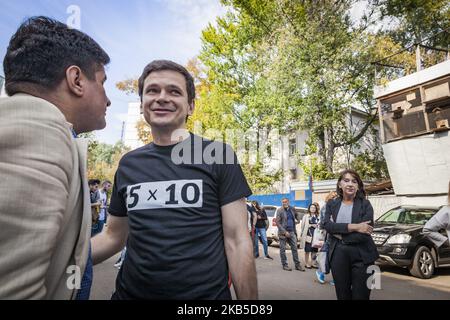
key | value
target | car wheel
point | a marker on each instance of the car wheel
(423, 264)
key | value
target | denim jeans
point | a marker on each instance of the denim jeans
(97, 228)
(262, 232)
(293, 244)
(86, 282)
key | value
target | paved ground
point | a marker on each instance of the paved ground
(277, 284)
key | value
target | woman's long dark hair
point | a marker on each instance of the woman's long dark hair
(256, 205)
(361, 193)
(317, 209)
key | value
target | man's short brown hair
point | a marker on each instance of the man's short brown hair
(161, 65)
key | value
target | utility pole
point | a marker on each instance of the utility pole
(122, 135)
(418, 59)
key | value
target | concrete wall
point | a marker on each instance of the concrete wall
(382, 204)
(421, 165)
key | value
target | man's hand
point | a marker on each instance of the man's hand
(111, 240)
(287, 234)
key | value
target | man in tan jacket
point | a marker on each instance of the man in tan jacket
(54, 77)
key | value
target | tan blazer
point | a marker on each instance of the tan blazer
(45, 217)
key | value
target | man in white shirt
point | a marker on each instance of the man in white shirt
(106, 187)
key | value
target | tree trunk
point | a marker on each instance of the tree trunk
(329, 150)
(322, 148)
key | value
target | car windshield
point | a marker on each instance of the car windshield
(270, 211)
(407, 216)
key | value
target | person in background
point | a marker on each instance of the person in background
(95, 205)
(260, 230)
(324, 267)
(251, 221)
(286, 219)
(121, 259)
(314, 254)
(309, 223)
(103, 192)
(440, 221)
(349, 221)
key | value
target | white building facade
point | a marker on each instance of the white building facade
(293, 150)
(131, 137)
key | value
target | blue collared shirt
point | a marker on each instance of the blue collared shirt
(290, 220)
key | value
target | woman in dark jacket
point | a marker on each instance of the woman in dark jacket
(349, 221)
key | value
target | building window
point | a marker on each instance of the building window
(293, 174)
(269, 150)
(292, 147)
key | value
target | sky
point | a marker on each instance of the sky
(132, 32)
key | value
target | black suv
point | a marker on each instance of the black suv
(400, 241)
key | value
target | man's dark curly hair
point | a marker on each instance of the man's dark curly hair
(42, 49)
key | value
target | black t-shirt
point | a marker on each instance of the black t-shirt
(261, 223)
(175, 247)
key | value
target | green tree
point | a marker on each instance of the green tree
(417, 21)
(295, 66)
(103, 159)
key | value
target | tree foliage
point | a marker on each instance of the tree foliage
(295, 65)
(303, 65)
(417, 21)
(103, 159)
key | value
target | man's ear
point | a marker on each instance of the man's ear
(74, 77)
(191, 108)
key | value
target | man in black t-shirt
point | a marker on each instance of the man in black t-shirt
(179, 204)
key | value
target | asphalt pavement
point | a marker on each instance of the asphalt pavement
(276, 284)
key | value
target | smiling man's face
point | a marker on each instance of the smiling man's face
(165, 101)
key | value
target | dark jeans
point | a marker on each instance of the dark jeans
(293, 244)
(97, 228)
(326, 248)
(86, 282)
(349, 273)
(260, 232)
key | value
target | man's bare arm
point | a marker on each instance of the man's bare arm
(239, 250)
(111, 240)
